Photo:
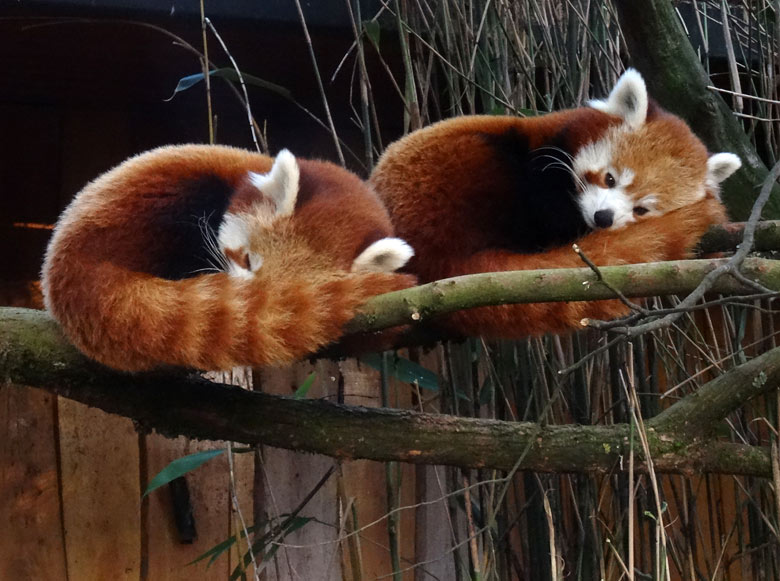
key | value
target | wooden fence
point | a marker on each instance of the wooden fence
(71, 480)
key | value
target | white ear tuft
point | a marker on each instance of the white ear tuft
(720, 166)
(281, 183)
(627, 100)
(385, 255)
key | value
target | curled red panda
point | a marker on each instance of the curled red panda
(211, 257)
(493, 193)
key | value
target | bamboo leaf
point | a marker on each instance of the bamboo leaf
(303, 390)
(231, 75)
(215, 551)
(372, 29)
(180, 467)
(405, 370)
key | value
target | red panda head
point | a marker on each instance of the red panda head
(323, 217)
(647, 164)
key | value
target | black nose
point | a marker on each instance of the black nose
(603, 218)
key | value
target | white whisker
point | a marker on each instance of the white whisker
(560, 164)
(218, 259)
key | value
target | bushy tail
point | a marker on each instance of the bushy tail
(668, 237)
(132, 321)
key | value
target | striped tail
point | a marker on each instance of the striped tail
(132, 321)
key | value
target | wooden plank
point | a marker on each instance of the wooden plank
(365, 482)
(100, 493)
(31, 542)
(313, 551)
(434, 529)
(166, 555)
(433, 525)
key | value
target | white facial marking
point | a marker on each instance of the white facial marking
(233, 232)
(626, 178)
(628, 99)
(281, 183)
(234, 236)
(594, 157)
(237, 271)
(595, 199)
(385, 255)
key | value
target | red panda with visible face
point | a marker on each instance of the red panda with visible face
(211, 257)
(493, 193)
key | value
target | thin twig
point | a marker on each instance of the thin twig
(205, 66)
(591, 355)
(247, 106)
(631, 305)
(317, 75)
(237, 506)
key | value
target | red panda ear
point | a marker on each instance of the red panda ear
(628, 99)
(281, 183)
(385, 255)
(720, 166)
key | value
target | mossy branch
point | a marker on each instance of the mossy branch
(421, 303)
(33, 352)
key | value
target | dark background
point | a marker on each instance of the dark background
(83, 85)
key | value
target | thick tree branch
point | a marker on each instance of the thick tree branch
(33, 352)
(420, 303)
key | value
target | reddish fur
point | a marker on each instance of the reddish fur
(441, 189)
(96, 287)
(669, 237)
(449, 165)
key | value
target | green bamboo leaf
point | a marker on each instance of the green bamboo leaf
(214, 551)
(231, 75)
(295, 523)
(405, 370)
(303, 390)
(372, 29)
(179, 467)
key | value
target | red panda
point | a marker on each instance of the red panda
(211, 257)
(493, 193)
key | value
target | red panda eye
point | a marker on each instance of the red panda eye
(247, 264)
(640, 211)
(609, 179)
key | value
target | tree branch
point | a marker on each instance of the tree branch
(420, 303)
(33, 352)
(729, 236)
